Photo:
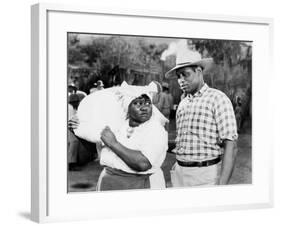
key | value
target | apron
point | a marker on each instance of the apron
(157, 180)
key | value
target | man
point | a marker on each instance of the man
(134, 153)
(206, 127)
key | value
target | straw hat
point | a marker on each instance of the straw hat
(189, 58)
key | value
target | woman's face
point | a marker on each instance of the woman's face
(140, 109)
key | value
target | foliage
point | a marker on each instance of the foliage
(103, 55)
(232, 58)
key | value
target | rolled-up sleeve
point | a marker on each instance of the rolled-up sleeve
(225, 119)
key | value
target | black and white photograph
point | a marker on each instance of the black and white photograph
(150, 112)
(141, 113)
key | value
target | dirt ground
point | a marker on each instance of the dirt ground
(86, 178)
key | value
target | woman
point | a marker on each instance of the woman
(132, 155)
(135, 152)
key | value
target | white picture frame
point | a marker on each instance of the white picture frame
(50, 201)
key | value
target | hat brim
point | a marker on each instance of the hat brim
(204, 63)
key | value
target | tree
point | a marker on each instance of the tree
(226, 54)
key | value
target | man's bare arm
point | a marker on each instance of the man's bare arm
(230, 152)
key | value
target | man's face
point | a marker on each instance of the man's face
(140, 109)
(189, 79)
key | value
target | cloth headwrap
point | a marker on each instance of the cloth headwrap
(128, 93)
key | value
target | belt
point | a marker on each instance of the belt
(200, 164)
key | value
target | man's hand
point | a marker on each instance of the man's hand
(73, 122)
(108, 137)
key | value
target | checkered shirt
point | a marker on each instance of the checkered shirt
(204, 121)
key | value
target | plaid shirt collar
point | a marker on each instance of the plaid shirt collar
(199, 93)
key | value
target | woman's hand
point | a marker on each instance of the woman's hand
(73, 122)
(108, 137)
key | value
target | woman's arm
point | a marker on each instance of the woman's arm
(133, 158)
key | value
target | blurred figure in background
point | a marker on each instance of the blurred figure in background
(97, 86)
(74, 146)
(73, 103)
(72, 88)
(73, 142)
(165, 102)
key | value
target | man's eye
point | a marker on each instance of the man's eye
(183, 74)
(186, 74)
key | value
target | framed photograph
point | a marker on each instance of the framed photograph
(93, 68)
